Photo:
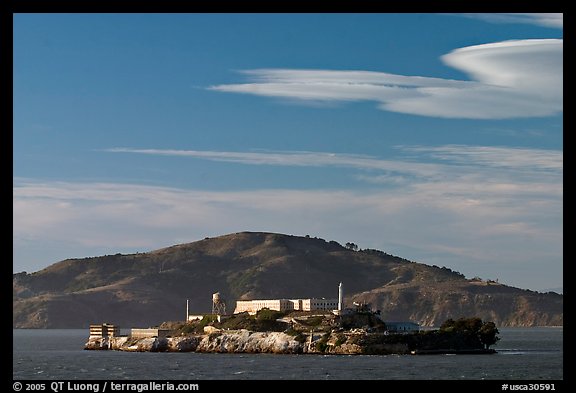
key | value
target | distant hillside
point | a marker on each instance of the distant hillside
(146, 289)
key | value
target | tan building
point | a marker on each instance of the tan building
(104, 330)
(253, 306)
(319, 304)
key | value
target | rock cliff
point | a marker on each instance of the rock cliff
(244, 341)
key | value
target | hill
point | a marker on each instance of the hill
(145, 289)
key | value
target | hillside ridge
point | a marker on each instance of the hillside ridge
(145, 289)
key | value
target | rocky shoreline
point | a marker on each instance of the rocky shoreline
(245, 341)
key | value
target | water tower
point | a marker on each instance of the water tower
(218, 304)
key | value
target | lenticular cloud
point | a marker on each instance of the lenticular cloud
(520, 78)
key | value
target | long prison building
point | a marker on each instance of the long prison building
(253, 306)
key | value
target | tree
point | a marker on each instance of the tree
(471, 325)
(447, 325)
(484, 333)
(352, 246)
(487, 334)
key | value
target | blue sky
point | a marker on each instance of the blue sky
(435, 137)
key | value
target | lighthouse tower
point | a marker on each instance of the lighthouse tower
(340, 298)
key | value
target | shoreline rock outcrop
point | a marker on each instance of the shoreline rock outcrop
(241, 341)
(245, 341)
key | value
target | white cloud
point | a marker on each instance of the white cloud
(514, 65)
(302, 158)
(520, 78)
(493, 156)
(555, 20)
(478, 209)
(422, 222)
(459, 158)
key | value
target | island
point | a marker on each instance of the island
(300, 332)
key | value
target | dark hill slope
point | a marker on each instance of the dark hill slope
(149, 288)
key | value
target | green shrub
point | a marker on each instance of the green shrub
(322, 344)
(266, 314)
(340, 339)
(300, 338)
(314, 321)
(208, 319)
(188, 328)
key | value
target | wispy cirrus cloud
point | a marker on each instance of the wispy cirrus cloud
(457, 177)
(494, 156)
(464, 222)
(510, 79)
(297, 159)
(476, 209)
(469, 172)
(455, 155)
(555, 20)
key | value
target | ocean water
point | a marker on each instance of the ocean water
(523, 354)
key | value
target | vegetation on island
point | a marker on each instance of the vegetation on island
(473, 331)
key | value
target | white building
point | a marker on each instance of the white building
(312, 304)
(319, 304)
